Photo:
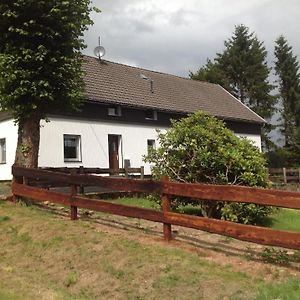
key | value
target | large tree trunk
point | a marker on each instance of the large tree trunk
(28, 141)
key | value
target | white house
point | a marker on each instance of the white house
(118, 121)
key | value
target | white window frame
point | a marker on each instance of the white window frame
(2, 150)
(114, 111)
(77, 138)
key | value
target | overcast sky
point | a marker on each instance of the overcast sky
(178, 36)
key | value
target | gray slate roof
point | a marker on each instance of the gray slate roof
(114, 83)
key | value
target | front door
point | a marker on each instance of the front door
(113, 151)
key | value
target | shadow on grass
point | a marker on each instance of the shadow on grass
(266, 222)
(222, 244)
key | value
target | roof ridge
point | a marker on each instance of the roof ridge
(152, 71)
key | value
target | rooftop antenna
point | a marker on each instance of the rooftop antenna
(99, 51)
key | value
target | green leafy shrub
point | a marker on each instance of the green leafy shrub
(200, 148)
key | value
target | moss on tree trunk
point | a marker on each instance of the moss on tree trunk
(28, 141)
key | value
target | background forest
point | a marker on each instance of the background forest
(242, 69)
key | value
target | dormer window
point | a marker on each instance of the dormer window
(151, 114)
(114, 110)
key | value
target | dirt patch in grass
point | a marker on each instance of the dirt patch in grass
(244, 256)
(240, 256)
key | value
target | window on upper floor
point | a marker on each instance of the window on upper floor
(72, 147)
(114, 110)
(2, 151)
(151, 114)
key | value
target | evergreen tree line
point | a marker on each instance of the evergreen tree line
(242, 69)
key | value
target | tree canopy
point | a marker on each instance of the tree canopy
(40, 60)
(40, 63)
(212, 72)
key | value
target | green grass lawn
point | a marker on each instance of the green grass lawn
(148, 203)
(140, 202)
(46, 256)
(285, 219)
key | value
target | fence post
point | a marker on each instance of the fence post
(166, 205)
(284, 175)
(81, 188)
(126, 171)
(142, 172)
(73, 194)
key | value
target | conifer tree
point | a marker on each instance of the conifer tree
(244, 63)
(242, 70)
(211, 72)
(288, 80)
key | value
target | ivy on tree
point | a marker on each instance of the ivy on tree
(242, 69)
(288, 80)
(40, 64)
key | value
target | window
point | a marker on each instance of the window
(151, 114)
(2, 151)
(72, 147)
(150, 145)
(114, 111)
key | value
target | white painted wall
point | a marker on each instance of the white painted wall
(94, 142)
(255, 138)
(10, 132)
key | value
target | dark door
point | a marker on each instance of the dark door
(113, 151)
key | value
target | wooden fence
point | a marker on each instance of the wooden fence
(124, 172)
(284, 175)
(127, 172)
(261, 235)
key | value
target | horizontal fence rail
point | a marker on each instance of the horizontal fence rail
(127, 172)
(167, 189)
(121, 171)
(230, 193)
(97, 205)
(88, 180)
(194, 190)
